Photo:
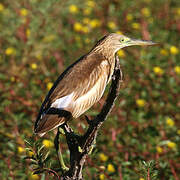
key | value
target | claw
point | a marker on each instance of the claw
(61, 130)
(80, 149)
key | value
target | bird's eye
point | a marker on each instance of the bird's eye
(122, 40)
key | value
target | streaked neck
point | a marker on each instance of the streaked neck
(108, 53)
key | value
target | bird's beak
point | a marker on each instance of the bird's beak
(140, 42)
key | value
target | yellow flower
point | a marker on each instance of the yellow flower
(169, 122)
(78, 26)
(177, 69)
(174, 50)
(136, 26)
(103, 157)
(24, 12)
(94, 23)
(158, 71)
(164, 52)
(34, 176)
(159, 149)
(1, 7)
(178, 11)
(141, 178)
(34, 66)
(28, 32)
(48, 143)
(10, 51)
(178, 131)
(87, 11)
(30, 153)
(111, 25)
(12, 79)
(21, 150)
(171, 145)
(145, 12)
(140, 102)
(49, 85)
(91, 4)
(129, 17)
(119, 32)
(86, 20)
(102, 177)
(121, 53)
(110, 168)
(73, 9)
(85, 29)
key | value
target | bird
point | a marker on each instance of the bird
(82, 84)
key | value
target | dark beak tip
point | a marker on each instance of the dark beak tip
(153, 43)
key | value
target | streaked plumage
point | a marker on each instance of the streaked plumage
(82, 84)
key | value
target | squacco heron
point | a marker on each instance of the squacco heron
(83, 83)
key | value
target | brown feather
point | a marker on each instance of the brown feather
(84, 101)
(49, 122)
(77, 78)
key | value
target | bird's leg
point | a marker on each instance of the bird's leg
(58, 151)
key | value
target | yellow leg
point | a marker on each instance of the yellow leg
(58, 150)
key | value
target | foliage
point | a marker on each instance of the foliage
(40, 38)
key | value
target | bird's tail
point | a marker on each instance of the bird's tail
(47, 123)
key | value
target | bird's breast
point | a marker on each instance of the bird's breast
(95, 91)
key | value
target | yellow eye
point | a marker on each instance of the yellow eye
(122, 40)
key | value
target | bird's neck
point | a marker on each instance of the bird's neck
(108, 54)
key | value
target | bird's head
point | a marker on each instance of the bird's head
(113, 42)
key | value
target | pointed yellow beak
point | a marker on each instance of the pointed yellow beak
(140, 42)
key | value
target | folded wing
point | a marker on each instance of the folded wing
(81, 87)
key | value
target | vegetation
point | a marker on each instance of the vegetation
(40, 38)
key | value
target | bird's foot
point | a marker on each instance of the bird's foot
(64, 168)
(92, 147)
(80, 149)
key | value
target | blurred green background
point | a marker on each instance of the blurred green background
(40, 38)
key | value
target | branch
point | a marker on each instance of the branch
(80, 146)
